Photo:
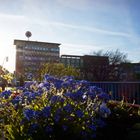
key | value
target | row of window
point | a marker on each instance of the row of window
(32, 58)
(71, 60)
(38, 57)
(41, 53)
(70, 57)
(37, 48)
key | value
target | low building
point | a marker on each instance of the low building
(95, 68)
(71, 60)
(91, 67)
(130, 71)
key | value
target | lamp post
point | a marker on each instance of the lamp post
(4, 81)
(5, 60)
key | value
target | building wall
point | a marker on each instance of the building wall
(30, 55)
(91, 67)
(95, 68)
(71, 60)
(130, 71)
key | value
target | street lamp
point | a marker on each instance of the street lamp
(5, 60)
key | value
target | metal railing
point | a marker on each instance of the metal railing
(129, 90)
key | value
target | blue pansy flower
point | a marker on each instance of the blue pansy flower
(28, 84)
(79, 113)
(49, 78)
(103, 96)
(100, 123)
(33, 128)
(68, 108)
(29, 114)
(5, 94)
(17, 100)
(57, 84)
(92, 127)
(65, 127)
(46, 111)
(49, 129)
(56, 98)
(47, 85)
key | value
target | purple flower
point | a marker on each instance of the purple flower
(71, 95)
(49, 129)
(68, 108)
(79, 113)
(5, 94)
(103, 96)
(28, 84)
(29, 114)
(93, 88)
(104, 111)
(66, 84)
(46, 85)
(17, 99)
(33, 128)
(57, 114)
(49, 78)
(57, 118)
(67, 78)
(92, 127)
(46, 111)
(84, 83)
(55, 99)
(58, 83)
(37, 114)
(100, 123)
(64, 127)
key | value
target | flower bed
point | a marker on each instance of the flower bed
(56, 109)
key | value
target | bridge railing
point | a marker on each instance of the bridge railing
(129, 90)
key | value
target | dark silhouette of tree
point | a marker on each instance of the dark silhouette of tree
(115, 59)
(95, 68)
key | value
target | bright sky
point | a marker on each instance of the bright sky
(81, 26)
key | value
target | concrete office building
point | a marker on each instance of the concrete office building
(30, 55)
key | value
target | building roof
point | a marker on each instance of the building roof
(64, 55)
(94, 56)
(37, 42)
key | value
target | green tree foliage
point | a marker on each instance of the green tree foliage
(58, 70)
(5, 77)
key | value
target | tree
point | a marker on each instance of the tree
(115, 59)
(94, 68)
(58, 70)
(5, 77)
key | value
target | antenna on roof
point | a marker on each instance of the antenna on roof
(28, 34)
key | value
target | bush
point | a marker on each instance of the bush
(64, 108)
(54, 109)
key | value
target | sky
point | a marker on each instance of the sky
(80, 26)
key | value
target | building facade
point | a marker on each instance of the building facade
(31, 55)
(129, 71)
(95, 68)
(91, 67)
(72, 60)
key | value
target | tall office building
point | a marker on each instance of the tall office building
(30, 55)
